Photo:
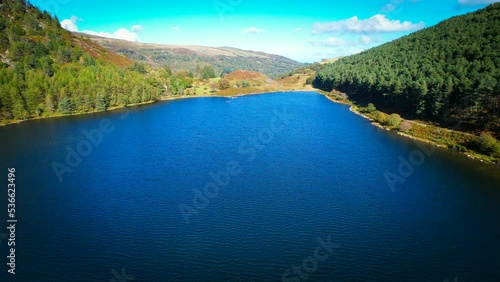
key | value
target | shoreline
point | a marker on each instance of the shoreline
(162, 99)
(77, 114)
(353, 109)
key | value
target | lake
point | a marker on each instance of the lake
(275, 187)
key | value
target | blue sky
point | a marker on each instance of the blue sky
(306, 31)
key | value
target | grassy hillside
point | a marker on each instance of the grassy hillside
(191, 58)
(47, 71)
(244, 82)
(448, 73)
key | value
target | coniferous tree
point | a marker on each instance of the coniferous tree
(449, 68)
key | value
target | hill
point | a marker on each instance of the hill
(448, 73)
(244, 82)
(328, 61)
(191, 58)
(101, 53)
(46, 71)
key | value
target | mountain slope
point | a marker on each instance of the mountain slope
(189, 58)
(45, 70)
(447, 73)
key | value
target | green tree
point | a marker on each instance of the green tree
(207, 72)
(488, 145)
(65, 106)
(19, 110)
(224, 84)
(49, 104)
(17, 30)
(2, 25)
(370, 108)
(138, 67)
(243, 84)
(101, 104)
(310, 80)
(394, 120)
(17, 51)
(167, 71)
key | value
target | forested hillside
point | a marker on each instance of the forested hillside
(449, 71)
(45, 70)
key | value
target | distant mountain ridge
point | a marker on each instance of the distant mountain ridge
(190, 57)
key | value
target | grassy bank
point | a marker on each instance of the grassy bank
(57, 115)
(484, 147)
(256, 83)
(250, 91)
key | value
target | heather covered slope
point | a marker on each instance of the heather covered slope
(189, 58)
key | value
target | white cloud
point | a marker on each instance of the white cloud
(336, 52)
(339, 42)
(330, 42)
(137, 28)
(337, 47)
(365, 40)
(176, 28)
(252, 30)
(70, 24)
(298, 29)
(375, 24)
(393, 5)
(122, 33)
(125, 34)
(476, 2)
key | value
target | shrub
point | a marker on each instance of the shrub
(488, 145)
(394, 120)
(310, 80)
(405, 126)
(370, 108)
(224, 84)
(243, 84)
(379, 117)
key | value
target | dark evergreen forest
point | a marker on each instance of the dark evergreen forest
(445, 73)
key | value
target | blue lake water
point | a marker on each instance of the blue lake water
(276, 187)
